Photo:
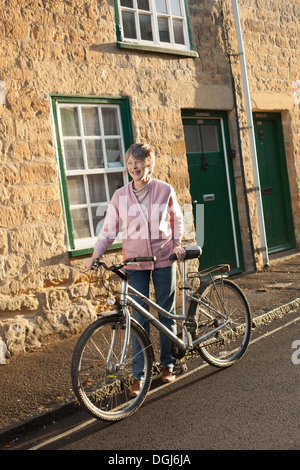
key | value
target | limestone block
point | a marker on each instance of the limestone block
(16, 303)
(43, 241)
(19, 151)
(3, 242)
(37, 173)
(9, 175)
(11, 216)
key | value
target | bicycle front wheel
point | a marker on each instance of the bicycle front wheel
(101, 384)
(222, 303)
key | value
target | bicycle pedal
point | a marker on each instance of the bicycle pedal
(180, 368)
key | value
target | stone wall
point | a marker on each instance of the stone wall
(69, 47)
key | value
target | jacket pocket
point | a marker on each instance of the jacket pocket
(134, 249)
(163, 251)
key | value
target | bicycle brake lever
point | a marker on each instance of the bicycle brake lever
(85, 271)
(95, 264)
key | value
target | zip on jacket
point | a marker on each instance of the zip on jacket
(155, 235)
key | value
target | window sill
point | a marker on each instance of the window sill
(158, 49)
(88, 251)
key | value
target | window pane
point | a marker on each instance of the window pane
(115, 181)
(113, 153)
(175, 8)
(163, 26)
(69, 121)
(81, 224)
(192, 139)
(146, 28)
(161, 6)
(129, 25)
(110, 121)
(73, 155)
(94, 153)
(98, 214)
(90, 121)
(97, 188)
(127, 3)
(178, 32)
(210, 138)
(143, 5)
(76, 190)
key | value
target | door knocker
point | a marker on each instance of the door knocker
(204, 162)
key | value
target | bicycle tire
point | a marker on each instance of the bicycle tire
(227, 346)
(101, 388)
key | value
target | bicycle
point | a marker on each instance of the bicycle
(215, 323)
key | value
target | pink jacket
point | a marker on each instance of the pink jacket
(153, 236)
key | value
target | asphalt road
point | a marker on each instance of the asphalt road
(250, 406)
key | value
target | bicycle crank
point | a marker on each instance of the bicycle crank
(176, 351)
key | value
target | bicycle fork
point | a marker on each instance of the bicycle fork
(112, 366)
(127, 325)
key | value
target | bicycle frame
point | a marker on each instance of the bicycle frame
(114, 350)
(183, 344)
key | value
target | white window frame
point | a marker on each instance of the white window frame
(155, 30)
(89, 242)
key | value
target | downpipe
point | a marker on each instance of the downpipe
(250, 127)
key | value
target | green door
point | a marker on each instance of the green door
(274, 182)
(212, 188)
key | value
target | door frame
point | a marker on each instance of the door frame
(276, 117)
(187, 114)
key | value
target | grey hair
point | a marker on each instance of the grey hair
(142, 151)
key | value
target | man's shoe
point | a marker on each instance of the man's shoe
(135, 389)
(167, 376)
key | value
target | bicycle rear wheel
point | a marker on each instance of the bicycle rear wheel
(223, 302)
(100, 384)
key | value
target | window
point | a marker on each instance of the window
(201, 138)
(91, 151)
(154, 22)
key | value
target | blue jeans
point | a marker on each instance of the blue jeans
(164, 281)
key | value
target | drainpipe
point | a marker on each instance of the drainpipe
(250, 127)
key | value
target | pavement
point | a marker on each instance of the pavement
(36, 389)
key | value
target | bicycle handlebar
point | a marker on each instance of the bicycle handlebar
(190, 253)
(115, 267)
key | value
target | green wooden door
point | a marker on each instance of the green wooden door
(211, 185)
(274, 182)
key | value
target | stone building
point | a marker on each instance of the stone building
(80, 80)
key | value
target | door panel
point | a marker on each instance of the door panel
(274, 182)
(210, 185)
